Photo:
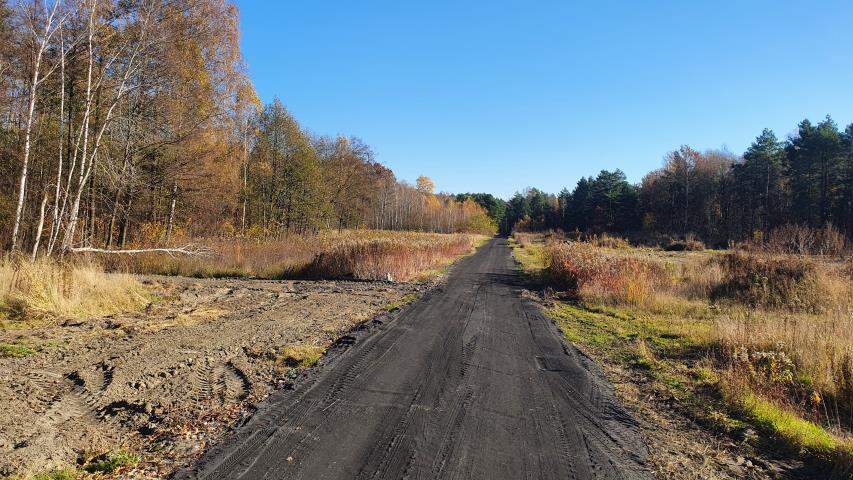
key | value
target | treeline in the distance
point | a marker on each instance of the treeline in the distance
(132, 122)
(716, 196)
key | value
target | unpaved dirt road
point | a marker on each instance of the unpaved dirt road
(470, 382)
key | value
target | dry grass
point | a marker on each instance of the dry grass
(775, 281)
(802, 240)
(361, 254)
(401, 257)
(299, 356)
(610, 241)
(585, 271)
(48, 288)
(776, 329)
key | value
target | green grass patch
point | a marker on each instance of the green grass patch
(800, 433)
(111, 462)
(585, 327)
(532, 257)
(407, 299)
(16, 350)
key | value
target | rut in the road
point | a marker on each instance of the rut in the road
(472, 381)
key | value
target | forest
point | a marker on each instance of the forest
(132, 123)
(716, 196)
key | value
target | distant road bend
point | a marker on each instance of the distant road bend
(470, 382)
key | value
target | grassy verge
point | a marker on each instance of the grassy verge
(46, 288)
(81, 288)
(359, 254)
(734, 368)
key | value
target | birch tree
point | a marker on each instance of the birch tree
(41, 22)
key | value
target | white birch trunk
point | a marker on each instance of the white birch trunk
(40, 228)
(31, 105)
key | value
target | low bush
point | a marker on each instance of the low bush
(771, 281)
(524, 239)
(804, 240)
(685, 246)
(609, 241)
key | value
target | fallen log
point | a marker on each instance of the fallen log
(190, 250)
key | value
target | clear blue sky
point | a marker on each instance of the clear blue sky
(495, 96)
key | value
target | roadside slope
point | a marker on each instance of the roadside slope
(472, 381)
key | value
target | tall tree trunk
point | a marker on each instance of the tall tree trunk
(31, 105)
(90, 237)
(245, 177)
(75, 206)
(40, 228)
(54, 227)
(125, 219)
(171, 222)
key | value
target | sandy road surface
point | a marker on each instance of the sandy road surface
(471, 382)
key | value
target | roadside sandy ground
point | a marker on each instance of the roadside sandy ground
(164, 382)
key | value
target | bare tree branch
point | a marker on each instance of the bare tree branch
(189, 250)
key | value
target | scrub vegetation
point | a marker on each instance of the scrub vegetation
(741, 339)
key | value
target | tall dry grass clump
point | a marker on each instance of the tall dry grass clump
(585, 271)
(402, 258)
(803, 360)
(610, 241)
(804, 240)
(49, 288)
(790, 333)
(524, 239)
(773, 281)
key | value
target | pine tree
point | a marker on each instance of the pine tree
(762, 179)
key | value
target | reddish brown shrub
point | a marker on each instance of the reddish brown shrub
(581, 269)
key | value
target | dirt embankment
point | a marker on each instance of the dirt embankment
(164, 382)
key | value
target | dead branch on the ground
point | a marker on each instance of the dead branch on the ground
(189, 250)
